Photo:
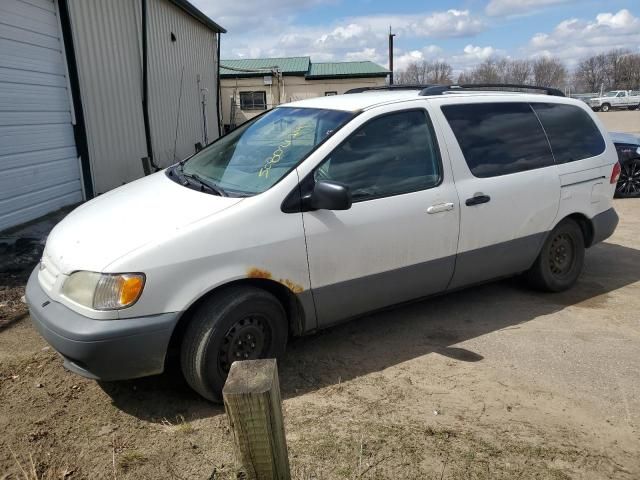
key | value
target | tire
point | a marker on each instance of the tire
(628, 185)
(560, 261)
(212, 339)
(605, 107)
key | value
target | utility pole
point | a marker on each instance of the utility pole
(391, 35)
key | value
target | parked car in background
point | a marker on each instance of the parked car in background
(627, 99)
(628, 148)
(319, 211)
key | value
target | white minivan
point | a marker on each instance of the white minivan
(319, 211)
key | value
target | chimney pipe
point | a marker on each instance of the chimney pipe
(391, 35)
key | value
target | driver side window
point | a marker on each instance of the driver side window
(389, 155)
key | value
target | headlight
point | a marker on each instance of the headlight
(104, 291)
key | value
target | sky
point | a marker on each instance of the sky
(462, 32)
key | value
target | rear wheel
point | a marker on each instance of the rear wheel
(239, 323)
(560, 261)
(628, 185)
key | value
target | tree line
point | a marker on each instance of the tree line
(616, 69)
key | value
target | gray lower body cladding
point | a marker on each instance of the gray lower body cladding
(351, 298)
(604, 224)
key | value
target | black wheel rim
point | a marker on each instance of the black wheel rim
(247, 339)
(561, 255)
(629, 181)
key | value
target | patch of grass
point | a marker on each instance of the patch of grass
(131, 459)
(179, 425)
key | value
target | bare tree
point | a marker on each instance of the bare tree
(549, 72)
(623, 69)
(591, 73)
(423, 72)
(519, 71)
(616, 69)
(486, 72)
(463, 78)
(441, 73)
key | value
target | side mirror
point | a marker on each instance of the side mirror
(330, 196)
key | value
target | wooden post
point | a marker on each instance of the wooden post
(251, 397)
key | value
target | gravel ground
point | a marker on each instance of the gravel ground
(621, 120)
(494, 382)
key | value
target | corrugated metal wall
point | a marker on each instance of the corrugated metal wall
(106, 36)
(39, 170)
(171, 63)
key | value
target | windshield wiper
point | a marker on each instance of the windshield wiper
(204, 183)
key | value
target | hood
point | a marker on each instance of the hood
(104, 229)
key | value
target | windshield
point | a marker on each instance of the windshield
(252, 158)
(611, 94)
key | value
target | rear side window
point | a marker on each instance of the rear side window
(572, 133)
(499, 138)
(390, 155)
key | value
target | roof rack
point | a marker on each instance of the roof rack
(422, 88)
(440, 89)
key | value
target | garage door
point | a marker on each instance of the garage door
(39, 169)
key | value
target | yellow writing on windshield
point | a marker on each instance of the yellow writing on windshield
(277, 154)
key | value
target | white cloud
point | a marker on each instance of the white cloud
(278, 32)
(575, 38)
(365, 54)
(519, 7)
(445, 24)
(479, 53)
(240, 16)
(402, 59)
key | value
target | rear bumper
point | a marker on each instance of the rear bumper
(101, 349)
(604, 224)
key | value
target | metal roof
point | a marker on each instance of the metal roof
(198, 15)
(287, 65)
(300, 66)
(346, 69)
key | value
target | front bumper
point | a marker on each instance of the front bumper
(101, 349)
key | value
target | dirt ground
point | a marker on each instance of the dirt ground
(621, 120)
(495, 382)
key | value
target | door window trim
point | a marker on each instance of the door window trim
(310, 178)
(527, 103)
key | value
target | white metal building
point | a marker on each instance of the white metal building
(88, 88)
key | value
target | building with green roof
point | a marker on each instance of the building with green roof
(250, 86)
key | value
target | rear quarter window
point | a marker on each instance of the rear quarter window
(571, 132)
(499, 138)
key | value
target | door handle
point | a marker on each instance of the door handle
(440, 207)
(477, 200)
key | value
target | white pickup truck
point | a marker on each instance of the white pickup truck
(616, 99)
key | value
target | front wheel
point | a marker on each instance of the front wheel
(238, 323)
(560, 261)
(605, 107)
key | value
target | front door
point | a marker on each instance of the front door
(398, 240)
